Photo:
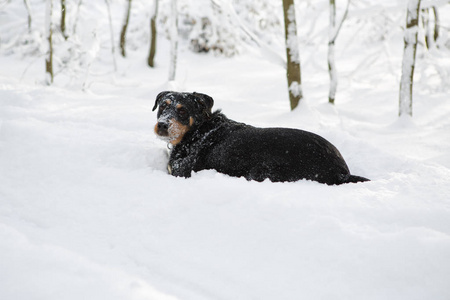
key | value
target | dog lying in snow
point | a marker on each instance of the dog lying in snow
(203, 139)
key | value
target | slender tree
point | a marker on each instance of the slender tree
(112, 35)
(332, 36)
(436, 23)
(124, 29)
(426, 26)
(293, 71)
(27, 6)
(431, 32)
(151, 55)
(173, 40)
(49, 33)
(63, 19)
(409, 57)
(77, 14)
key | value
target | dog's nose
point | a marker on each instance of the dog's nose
(163, 126)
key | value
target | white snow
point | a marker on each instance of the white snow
(88, 211)
(295, 88)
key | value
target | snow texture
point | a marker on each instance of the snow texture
(88, 211)
(295, 88)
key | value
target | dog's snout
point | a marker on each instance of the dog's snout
(163, 126)
(162, 129)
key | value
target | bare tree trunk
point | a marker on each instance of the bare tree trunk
(124, 30)
(112, 35)
(426, 27)
(27, 6)
(151, 56)
(77, 14)
(331, 63)
(63, 19)
(293, 71)
(436, 23)
(49, 33)
(333, 32)
(431, 31)
(409, 57)
(173, 40)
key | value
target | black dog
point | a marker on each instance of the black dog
(204, 140)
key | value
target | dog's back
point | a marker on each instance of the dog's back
(277, 154)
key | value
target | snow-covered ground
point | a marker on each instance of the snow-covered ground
(88, 211)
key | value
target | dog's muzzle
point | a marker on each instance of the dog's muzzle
(162, 128)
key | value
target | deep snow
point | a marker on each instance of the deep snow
(88, 211)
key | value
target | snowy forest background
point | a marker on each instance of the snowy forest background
(87, 209)
(85, 35)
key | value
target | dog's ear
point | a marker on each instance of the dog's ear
(159, 98)
(206, 103)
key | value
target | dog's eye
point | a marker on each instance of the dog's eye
(182, 112)
(162, 107)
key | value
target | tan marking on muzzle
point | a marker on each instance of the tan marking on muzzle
(177, 131)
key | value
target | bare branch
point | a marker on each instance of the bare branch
(338, 28)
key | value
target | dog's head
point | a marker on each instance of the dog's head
(179, 112)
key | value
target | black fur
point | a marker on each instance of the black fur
(279, 154)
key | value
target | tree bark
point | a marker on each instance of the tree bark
(151, 55)
(173, 40)
(431, 31)
(63, 19)
(436, 23)
(293, 71)
(49, 33)
(124, 30)
(409, 58)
